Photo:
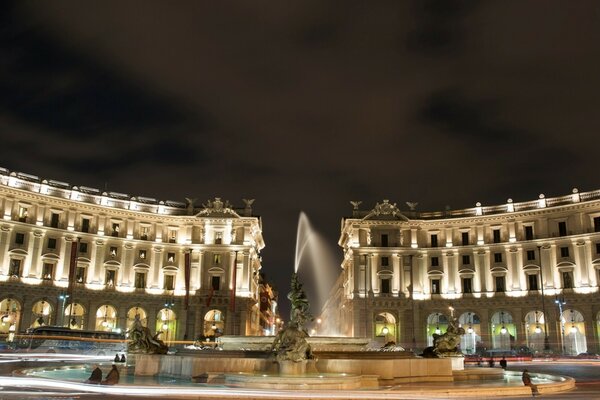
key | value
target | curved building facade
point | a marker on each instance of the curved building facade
(517, 276)
(79, 257)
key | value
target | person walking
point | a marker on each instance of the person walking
(503, 363)
(526, 378)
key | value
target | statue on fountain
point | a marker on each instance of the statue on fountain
(141, 340)
(290, 344)
(446, 345)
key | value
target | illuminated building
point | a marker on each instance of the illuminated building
(512, 273)
(134, 255)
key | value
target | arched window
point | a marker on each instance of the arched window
(573, 332)
(106, 318)
(74, 316)
(143, 316)
(166, 322)
(10, 317)
(42, 314)
(534, 330)
(385, 327)
(504, 331)
(437, 323)
(214, 323)
(472, 326)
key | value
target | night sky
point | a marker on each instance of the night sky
(305, 105)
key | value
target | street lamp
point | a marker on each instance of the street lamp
(63, 297)
(560, 303)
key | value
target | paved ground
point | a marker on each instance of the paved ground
(587, 374)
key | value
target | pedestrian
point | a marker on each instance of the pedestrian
(503, 363)
(112, 378)
(117, 359)
(123, 358)
(491, 363)
(527, 382)
(96, 376)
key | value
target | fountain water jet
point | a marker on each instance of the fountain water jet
(313, 254)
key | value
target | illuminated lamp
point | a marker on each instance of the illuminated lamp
(503, 330)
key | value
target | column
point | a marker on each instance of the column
(39, 218)
(246, 271)
(200, 278)
(126, 275)
(36, 239)
(580, 271)
(232, 270)
(356, 274)
(396, 281)
(4, 245)
(479, 281)
(375, 260)
(8, 209)
(96, 258)
(514, 264)
(369, 275)
(156, 265)
(62, 267)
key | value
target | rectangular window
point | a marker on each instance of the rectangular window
(597, 224)
(497, 257)
(116, 227)
(51, 243)
(435, 286)
(85, 225)
(172, 236)
(19, 238)
(500, 284)
(496, 235)
(110, 278)
(144, 232)
(567, 278)
(466, 260)
(384, 240)
(562, 228)
(217, 259)
(54, 218)
(140, 280)
(434, 240)
(564, 252)
(385, 261)
(142, 254)
(435, 262)
(169, 282)
(529, 232)
(171, 257)
(532, 281)
(385, 286)
(14, 268)
(47, 271)
(530, 255)
(215, 282)
(218, 237)
(597, 248)
(80, 273)
(83, 248)
(465, 238)
(467, 285)
(23, 213)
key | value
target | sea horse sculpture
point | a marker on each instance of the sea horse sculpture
(141, 339)
(446, 344)
(290, 343)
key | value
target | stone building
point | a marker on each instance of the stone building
(517, 275)
(133, 255)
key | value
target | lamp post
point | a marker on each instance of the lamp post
(560, 303)
(546, 340)
(63, 297)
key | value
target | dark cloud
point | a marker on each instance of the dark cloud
(304, 105)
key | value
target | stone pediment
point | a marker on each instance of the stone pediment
(386, 210)
(217, 208)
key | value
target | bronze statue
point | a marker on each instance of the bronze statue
(446, 344)
(290, 344)
(142, 341)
